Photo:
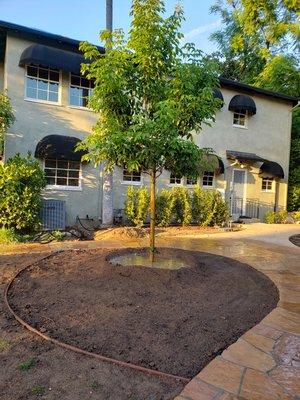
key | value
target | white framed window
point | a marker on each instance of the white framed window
(175, 180)
(267, 184)
(42, 84)
(133, 177)
(81, 89)
(63, 173)
(191, 181)
(208, 179)
(240, 119)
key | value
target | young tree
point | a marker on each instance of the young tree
(151, 94)
(6, 118)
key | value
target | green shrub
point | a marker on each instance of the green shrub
(137, 205)
(202, 206)
(6, 118)
(220, 209)
(164, 207)
(208, 207)
(294, 198)
(181, 205)
(275, 217)
(296, 215)
(8, 236)
(21, 182)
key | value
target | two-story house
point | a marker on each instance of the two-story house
(41, 73)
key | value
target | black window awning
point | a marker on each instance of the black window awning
(242, 103)
(272, 169)
(46, 56)
(218, 95)
(58, 147)
(220, 170)
(244, 157)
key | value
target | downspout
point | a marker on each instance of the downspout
(107, 177)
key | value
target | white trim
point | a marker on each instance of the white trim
(65, 187)
(237, 125)
(213, 181)
(268, 190)
(79, 87)
(129, 183)
(245, 186)
(35, 100)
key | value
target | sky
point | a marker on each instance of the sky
(83, 19)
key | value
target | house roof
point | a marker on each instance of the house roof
(65, 43)
(244, 88)
(37, 36)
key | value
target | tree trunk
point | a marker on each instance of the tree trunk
(109, 15)
(152, 214)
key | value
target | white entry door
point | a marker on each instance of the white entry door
(238, 205)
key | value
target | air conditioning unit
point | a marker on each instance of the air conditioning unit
(53, 215)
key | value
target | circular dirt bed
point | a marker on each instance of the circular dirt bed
(173, 321)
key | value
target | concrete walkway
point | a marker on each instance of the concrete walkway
(264, 364)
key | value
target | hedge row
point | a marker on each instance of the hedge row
(178, 205)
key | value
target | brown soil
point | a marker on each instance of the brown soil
(172, 321)
(133, 232)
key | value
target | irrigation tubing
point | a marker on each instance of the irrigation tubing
(76, 349)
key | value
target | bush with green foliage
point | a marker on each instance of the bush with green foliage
(21, 183)
(137, 205)
(8, 236)
(164, 207)
(202, 206)
(178, 205)
(181, 203)
(220, 210)
(6, 118)
(275, 217)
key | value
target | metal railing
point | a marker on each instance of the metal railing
(250, 208)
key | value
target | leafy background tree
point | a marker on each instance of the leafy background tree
(6, 118)
(259, 44)
(150, 92)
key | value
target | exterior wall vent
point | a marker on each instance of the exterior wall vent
(53, 215)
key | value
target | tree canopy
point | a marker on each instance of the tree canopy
(259, 44)
(151, 93)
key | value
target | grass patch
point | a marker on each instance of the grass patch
(95, 385)
(4, 344)
(9, 236)
(25, 366)
(38, 390)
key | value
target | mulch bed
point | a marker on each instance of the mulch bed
(295, 239)
(174, 321)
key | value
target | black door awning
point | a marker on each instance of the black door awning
(242, 103)
(46, 56)
(244, 157)
(272, 169)
(218, 95)
(58, 147)
(220, 169)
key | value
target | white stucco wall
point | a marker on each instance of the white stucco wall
(267, 135)
(36, 120)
